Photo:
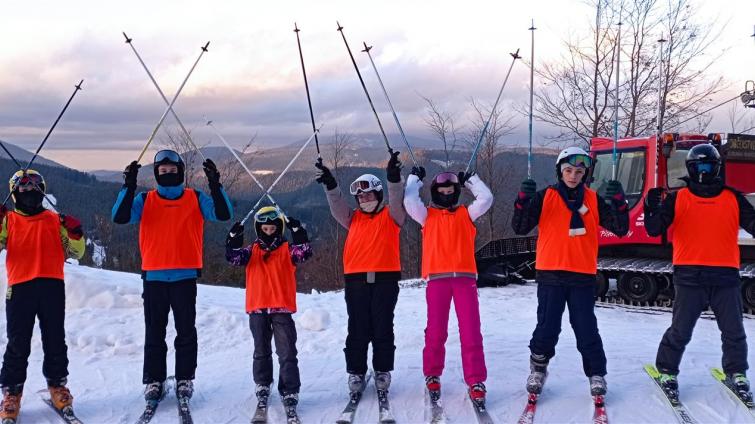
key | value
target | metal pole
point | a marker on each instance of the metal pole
(170, 105)
(514, 56)
(616, 101)
(267, 192)
(306, 87)
(532, 88)
(659, 117)
(364, 87)
(165, 99)
(387, 99)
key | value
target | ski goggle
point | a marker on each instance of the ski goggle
(583, 161)
(167, 156)
(27, 180)
(446, 178)
(360, 186)
(704, 167)
(267, 216)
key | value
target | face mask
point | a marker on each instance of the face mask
(369, 207)
(170, 179)
(29, 201)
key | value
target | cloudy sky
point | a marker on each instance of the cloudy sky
(250, 80)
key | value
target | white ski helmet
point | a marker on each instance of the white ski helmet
(574, 156)
(366, 183)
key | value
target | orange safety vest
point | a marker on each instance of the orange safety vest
(171, 231)
(706, 229)
(448, 242)
(270, 283)
(372, 244)
(34, 247)
(556, 249)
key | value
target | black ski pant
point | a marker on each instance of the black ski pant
(370, 308)
(690, 301)
(280, 327)
(159, 298)
(552, 299)
(43, 298)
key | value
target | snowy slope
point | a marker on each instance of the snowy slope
(105, 335)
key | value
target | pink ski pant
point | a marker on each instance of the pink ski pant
(463, 292)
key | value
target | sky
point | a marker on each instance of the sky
(250, 83)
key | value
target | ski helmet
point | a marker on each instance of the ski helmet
(576, 157)
(28, 201)
(367, 183)
(703, 163)
(269, 215)
(445, 179)
(169, 157)
(29, 177)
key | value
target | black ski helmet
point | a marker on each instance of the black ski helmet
(169, 157)
(445, 179)
(703, 163)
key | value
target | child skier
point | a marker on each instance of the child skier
(705, 274)
(171, 225)
(271, 298)
(448, 266)
(568, 215)
(372, 268)
(37, 242)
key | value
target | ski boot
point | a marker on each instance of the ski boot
(357, 383)
(289, 404)
(432, 383)
(154, 391)
(11, 404)
(262, 392)
(382, 380)
(598, 385)
(60, 396)
(741, 385)
(477, 393)
(538, 373)
(670, 386)
(184, 389)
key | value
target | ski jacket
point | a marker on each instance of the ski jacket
(372, 243)
(129, 207)
(37, 246)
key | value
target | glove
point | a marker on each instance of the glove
(211, 171)
(130, 174)
(393, 170)
(72, 226)
(528, 188)
(235, 238)
(464, 177)
(419, 172)
(654, 198)
(298, 233)
(294, 224)
(325, 176)
(615, 195)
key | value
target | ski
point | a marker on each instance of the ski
(481, 411)
(66, 413)
(384, 407)
(184, 412)
(8, 421)
(151, 406)
(292, 417)
(682, 414)
(347, 415)
(599, 416)
(434, 408)
(749, 404)
(528, 415)
(260, 412)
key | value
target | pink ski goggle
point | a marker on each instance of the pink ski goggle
(446, 178)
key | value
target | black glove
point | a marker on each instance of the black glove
(393, 169)
(654, 198)
(325, 176)
(130, 174)
(528, 187)
(235, 238)
(298, 233)
(294, 224)
(464, 177)
(211, 171)
(419, 172)
(615, 195)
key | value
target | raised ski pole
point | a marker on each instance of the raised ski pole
(514, 56)
(532, 89)
(251, 174)
(54, 124)
(165, 99)
(659, 118)
(170, 105)
(267, 192)
(36, 186)
(309, 100)
(614, 158)
(364, 87)
(387, 99)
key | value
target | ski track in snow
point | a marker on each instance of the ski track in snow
(105, 332)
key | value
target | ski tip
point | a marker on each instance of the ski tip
(340, 28)
(204, 49)
(78, 86)
(128, 40)
(366, 47)
(515, 55)
(651, 369)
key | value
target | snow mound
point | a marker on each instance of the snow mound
(314, 319)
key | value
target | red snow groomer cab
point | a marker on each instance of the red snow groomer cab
(640, 264)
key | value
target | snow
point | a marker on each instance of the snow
(105, 331)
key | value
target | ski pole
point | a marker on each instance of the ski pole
(267, 192)
(36, 186)
(364, 87)
(233, 152)
(614, 157)
(659, 119)
(165, 99)
(306, 87)
(170, 105)
(532, 89)
(54, 124)
(514, 56)
(387, 99)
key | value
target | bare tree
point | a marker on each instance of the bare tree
(739, 119)
(442, 124)
(340, 145)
